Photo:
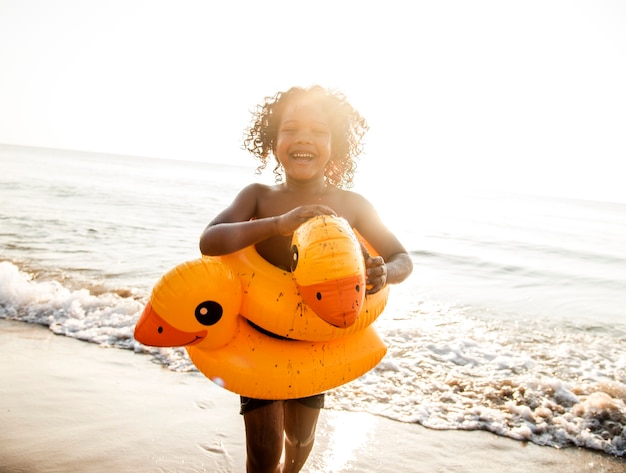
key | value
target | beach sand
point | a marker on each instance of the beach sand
(71, 406)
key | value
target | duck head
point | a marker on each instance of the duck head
(328, 269)
(195, 303)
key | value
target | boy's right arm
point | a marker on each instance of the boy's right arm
(239, 225)
(234, 229)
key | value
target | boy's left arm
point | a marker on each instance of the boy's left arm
(380, 272)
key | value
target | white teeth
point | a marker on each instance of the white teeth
(303, 156)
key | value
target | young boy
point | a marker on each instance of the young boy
(315, 136)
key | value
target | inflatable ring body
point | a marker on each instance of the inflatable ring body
(196, 305)
(263, 367)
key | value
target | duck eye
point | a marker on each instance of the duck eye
(294, 258)
(208, 312)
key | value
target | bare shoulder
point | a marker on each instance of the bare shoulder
(355, 198)
(255, 189)
(354, 206)
(362, 215)
(255, 192)
(244, 206)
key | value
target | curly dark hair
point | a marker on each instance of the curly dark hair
(346, 124)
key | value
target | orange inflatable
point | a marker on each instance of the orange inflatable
(266, 333)
(196, 305)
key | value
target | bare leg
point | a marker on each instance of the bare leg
(264, 438)
(300, 422)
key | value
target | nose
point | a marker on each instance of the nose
(304, 136)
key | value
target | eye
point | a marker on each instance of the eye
(208, 313)
(294, 258)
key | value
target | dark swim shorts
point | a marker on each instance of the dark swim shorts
(249, 403)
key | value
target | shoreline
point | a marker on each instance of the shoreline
(69, 405)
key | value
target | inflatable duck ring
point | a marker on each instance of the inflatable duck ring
(211, 306)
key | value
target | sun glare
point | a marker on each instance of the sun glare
(346, 438)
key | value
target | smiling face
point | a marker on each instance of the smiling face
(303, 142)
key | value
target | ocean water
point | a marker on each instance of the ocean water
(514, 320)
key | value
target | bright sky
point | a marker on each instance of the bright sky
(521, 95)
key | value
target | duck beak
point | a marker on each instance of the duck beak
(338, 301)
(153, 330)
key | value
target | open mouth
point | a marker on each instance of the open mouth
(303, 157)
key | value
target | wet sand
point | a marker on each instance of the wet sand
(71, 406)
